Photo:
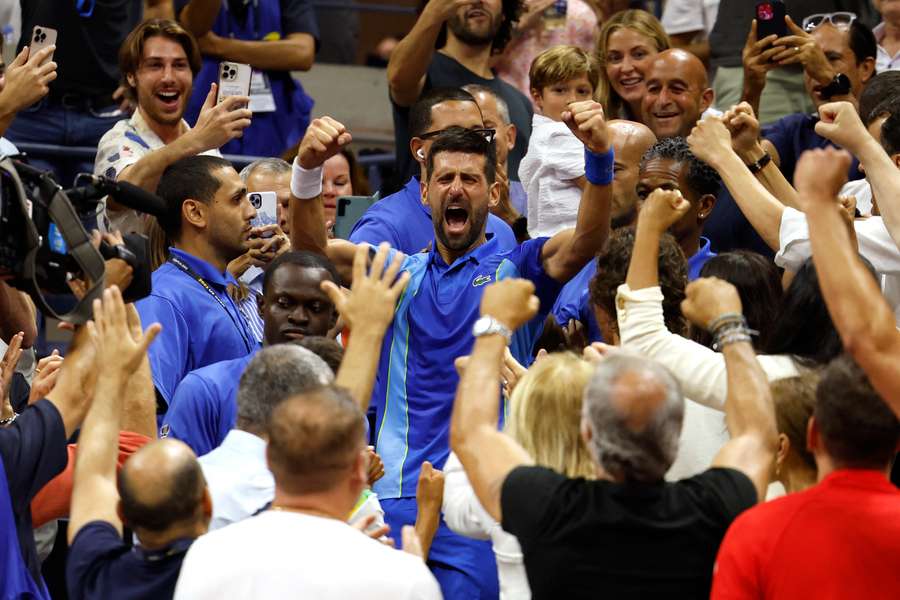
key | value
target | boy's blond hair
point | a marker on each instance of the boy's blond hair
(563, 63)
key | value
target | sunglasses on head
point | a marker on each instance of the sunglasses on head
(840, 20)
(487, 133)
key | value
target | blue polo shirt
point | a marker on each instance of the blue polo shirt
(432, 326)
(204, 408)
(404, 221)
(574, 300)
(197, 330)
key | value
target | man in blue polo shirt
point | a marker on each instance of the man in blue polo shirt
(669, 165)
(403, 219)
(208, 223)
(292, 306)
(435, 316)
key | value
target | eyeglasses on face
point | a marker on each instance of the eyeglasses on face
(840, 20)
(487, 133)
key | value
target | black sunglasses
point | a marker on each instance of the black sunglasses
(487, 133)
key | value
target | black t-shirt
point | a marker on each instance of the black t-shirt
(446, 72)
(729, 34)
(590, 539)
(101, 565)
(87, 44)
(33, 450)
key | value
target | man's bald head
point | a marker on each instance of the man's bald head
(678, 93)
(161, 486)
(632, 414)
(629, 141)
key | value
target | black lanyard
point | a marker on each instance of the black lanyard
(181, 265)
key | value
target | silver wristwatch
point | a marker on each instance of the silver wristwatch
(488, 325)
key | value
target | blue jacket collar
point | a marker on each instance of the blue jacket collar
(204, 269)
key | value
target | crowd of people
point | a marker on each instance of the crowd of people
(637, 295)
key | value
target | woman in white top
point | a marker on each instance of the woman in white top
(544, 417)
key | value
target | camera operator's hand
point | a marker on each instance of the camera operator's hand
(117, 271)
(220, 123)
(323, 139)
(27, 80)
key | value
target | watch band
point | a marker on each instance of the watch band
(488, 325)
(839, 86)
(759, 165)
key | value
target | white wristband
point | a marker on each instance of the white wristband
(306, 183)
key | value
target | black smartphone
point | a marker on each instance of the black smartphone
(770, 19)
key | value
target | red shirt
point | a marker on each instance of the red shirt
(838, 539)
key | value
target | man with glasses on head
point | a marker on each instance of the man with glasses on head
(403, 219)
(837, 54)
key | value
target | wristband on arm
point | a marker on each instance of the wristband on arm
(598, 168)
(306, 183)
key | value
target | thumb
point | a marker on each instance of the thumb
(21, 58)
(149, 336)
(334, 294)
(426, 470)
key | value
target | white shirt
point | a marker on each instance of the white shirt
(7, 148)
(861, 189)
(555, 158)
(464, 515)
(685, 16)
(875, 243)
(281, 554)
(126, 143)
(883, 60)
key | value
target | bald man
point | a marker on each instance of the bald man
(678, 94)
(630, 140)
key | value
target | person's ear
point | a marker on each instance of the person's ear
(511, 133)
(894, 157)
(866, 70)
(784, 446)
(206, 503)
(423, 190)
(706, 205)
(416, 146)
(706, 99)
(538, 98)
(813, 438)
(494, 195)
(194, 212)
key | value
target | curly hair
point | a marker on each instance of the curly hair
(701, 177)
(612, 268)
(512, 10)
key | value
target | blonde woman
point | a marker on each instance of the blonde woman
(627, 43)
(544, 417)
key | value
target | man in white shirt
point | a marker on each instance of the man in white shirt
(887, 34)
(159, 60)
(688, 23)
(303, 546)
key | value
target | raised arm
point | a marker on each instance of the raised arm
(710, 141)
(368, 311)
(488, 455)
(862, 316)
(410, 59)
(660, 210)
(198, 16)
(323, 139)
(715, 305)
(568, 251)
(121, 348)
(295, 52)
(216, 126)
(840, 123)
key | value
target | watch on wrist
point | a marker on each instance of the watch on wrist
(488, 325)
(839, 86)
(759, 165)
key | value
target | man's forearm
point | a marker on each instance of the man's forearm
(410, 59)
(100, 431)
(146, 172)
(772, 178)
(360, 364)
(296, 53)
(748, 408)
(643, 271)
(762, 210)
(884, 177)
(308, 225)
(752, 93)
(199, 16)
(565, 255)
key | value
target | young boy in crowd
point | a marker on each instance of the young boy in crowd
(552, 171)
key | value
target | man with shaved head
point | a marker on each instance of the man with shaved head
(630, 140)
(678, 93)
(629, 533)
(160, 494)
(302, 547)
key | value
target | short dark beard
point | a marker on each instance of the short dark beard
(458, 26)
(478, 220)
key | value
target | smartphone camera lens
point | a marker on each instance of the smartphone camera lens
(229, 73)
(39, 36)
(765, 12)
(256, 200)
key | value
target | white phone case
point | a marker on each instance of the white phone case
(234, 80)
(41, 37)
(266, 205)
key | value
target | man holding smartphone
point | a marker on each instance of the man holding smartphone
(158, 61)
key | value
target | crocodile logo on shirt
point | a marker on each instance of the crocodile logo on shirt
(481, 280)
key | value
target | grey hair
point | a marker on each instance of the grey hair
(502, 106)
(275, 374)
(267, 165)
(626, 454)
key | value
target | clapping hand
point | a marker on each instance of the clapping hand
(373, 296)
(119, 344)
(819, 177)
(708, 299)
(7, 370)
(662, 209)
(586, 121)
(511, 302)
(45, 375)
(323, 139)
